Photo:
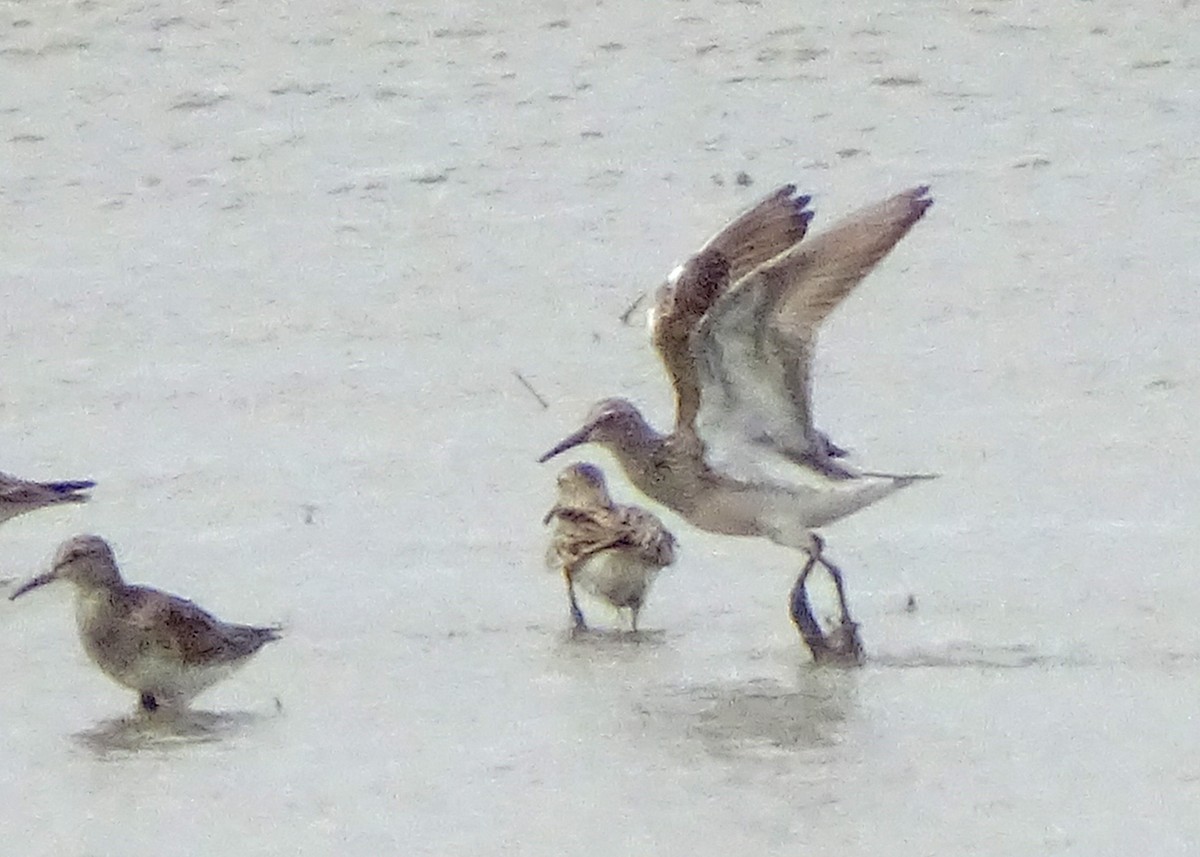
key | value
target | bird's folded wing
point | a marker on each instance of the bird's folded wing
(582, 533)
(16, 490)
(579, 533)
(179, 626)
(645, 532)
(28, 494)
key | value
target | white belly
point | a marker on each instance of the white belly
(168, 678)
(616, 576)
(134, 657)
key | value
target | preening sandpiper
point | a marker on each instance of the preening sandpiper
(162, 646)
(736, 327)
(612, 551)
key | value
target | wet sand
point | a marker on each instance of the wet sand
(270, 269)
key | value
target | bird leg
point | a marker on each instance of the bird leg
(846, 642)
(802, 615)
(576, 613)
(843, 644)
(634, 609)
(839, 585)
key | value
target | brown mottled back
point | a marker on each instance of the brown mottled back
(582, 532)
(188, 632)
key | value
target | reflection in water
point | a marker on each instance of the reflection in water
(763, 716)
(141, 732)
(610, 641)
(730, 718)
(968, 655)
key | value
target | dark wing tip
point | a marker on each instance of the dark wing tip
(799, 203)
(802, 212)
(920, 201)
(760, 233)
(70, 487)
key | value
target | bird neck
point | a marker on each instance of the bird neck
(584, 498)
(658, 466)
(93, 605)
(93, 590)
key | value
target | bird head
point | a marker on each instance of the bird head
(583, 484)
(611, 422)
(86, 561)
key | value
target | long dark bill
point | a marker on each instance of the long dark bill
(572, 440)
(34, 583)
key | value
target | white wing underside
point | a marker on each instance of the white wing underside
(791, 498)
(728, 450)
(753, 348)
(754, 384)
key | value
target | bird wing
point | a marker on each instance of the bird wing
(582, 533)
(189, 632)
(23, 492)
(755, 237)
(643, 530)
(579, 533)
(753, 349)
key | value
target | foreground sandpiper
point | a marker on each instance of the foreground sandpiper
(736, 328)
(162, 646)
(18, 496)
(612, 551)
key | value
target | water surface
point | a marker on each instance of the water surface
(270, 268)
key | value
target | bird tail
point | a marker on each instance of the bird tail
(270, 633)
(254, 638)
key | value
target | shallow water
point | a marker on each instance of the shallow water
(271, 268)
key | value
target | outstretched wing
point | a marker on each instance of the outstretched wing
(755, 237)
(753, 350)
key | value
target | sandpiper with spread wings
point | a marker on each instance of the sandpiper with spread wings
(18, 496)
(736, 327)
(162, 646)
(612, 551)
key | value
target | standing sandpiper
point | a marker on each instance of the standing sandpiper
(611, 551)
(736, 326)
(164, 647)
(18, 496)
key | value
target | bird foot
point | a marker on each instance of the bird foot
(840, 647)
(843, 647)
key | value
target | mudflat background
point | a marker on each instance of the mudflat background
(269, 269)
